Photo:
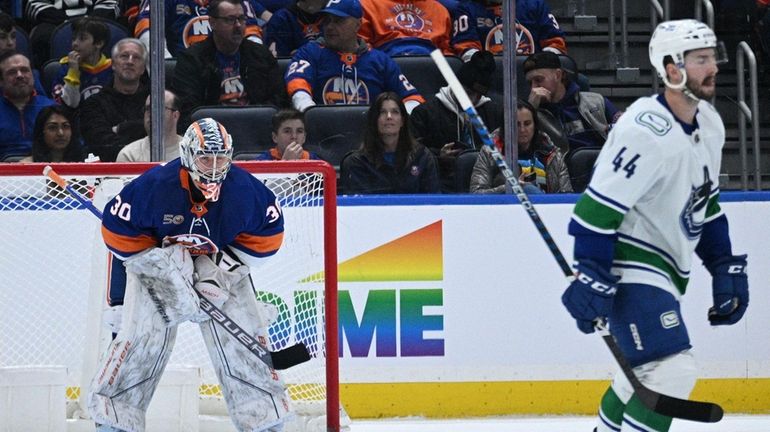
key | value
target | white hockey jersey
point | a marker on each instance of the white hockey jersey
(655, 185)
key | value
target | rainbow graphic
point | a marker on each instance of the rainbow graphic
(395, 315)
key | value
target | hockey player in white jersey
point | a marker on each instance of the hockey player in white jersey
(653, 200)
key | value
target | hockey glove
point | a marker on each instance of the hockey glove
(589, 297)
(730, 286)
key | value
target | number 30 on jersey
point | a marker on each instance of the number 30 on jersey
(121, 209)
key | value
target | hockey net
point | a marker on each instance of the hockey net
(54, 273)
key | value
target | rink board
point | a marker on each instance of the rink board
(450, 306)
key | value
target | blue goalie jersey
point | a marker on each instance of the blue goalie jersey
(158, 207)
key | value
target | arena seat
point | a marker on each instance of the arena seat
(423, 74)
(283, 63)
(168, 67)
(61, 38)
(334, 130)
(250, 126)
(580, 164)
(48, 74)
(22, 41)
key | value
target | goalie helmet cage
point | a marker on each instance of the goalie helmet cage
(55, 266)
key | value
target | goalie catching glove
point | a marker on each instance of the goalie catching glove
(589, 297)
(730, 287)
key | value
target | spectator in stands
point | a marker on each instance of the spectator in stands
(55, 137)
(541, 164)
(188, 22)
(410, 27)
(584, 117)
(8, 43)
(293, 26)
(289, 137)
(536, 27)
(225, 69)
(442, 126)
(390, 160)
(44, 15)
(139, 150)
(114, 115)
(19, 105)
(85, 70)
(340, 68)
(7, 32)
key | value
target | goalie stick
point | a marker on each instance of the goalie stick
(669, 406)
(282, 359)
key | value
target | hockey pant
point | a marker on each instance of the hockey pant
(621, 410)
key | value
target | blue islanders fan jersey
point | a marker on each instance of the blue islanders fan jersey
(536, 27)
(335, 78)
(655, 185)
(289, 29)
(187, 22)
(90, 79)
(158, 205)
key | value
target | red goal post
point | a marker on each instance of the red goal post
(55, 264)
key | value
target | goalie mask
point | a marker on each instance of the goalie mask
(206, 151)
(675, 39)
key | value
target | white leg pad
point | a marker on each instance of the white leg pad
(132, 366)
(255, 395)
(674, 375)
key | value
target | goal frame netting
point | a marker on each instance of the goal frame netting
(327, 200)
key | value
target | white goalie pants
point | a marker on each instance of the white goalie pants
(131, 368)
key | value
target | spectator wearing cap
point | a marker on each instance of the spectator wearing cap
(441, 125)
(584, 117)
(340, 68)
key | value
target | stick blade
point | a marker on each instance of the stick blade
(291, 356)
(704, 412)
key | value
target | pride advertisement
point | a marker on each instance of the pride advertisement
(455, 297)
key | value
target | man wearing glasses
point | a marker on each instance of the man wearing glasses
(114, 116)
(187, 23)
(226, 69)
(139, 150)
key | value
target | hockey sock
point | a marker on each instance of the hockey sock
(610, 412)
(642, 418)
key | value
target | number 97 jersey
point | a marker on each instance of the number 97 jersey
(655, 184)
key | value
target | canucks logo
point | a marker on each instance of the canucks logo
(693, 214)
(343, 91)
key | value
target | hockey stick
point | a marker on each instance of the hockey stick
(282, 359)
(662, 404)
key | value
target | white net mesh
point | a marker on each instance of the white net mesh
(54, 270)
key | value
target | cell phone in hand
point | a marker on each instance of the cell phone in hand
(530, 177)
